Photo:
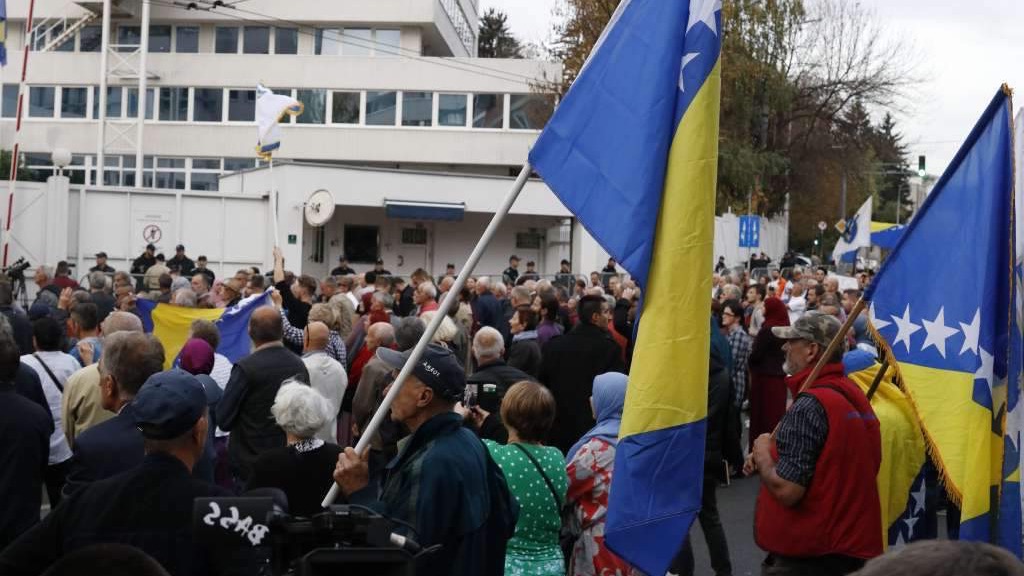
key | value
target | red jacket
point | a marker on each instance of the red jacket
(840, 512)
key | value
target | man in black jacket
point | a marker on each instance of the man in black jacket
(149, 507)
(245, 408)
(569, 364)
(25, 427)
(18, 319)
(488, 349)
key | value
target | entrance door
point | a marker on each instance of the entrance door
(412, 249)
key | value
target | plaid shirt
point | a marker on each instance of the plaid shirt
(740, 343)
(801, 437)
(335, 347)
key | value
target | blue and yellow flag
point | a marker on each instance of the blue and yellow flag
(171, 324)
(3, 32)
(951, 340)
(906, 482)
(632, 151)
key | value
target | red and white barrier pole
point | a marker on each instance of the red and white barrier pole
(13, 177)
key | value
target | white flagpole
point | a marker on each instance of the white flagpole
(273, 204)
(446, 304)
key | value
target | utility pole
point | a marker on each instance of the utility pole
(842, 196)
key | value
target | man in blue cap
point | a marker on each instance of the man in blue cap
(148, 507)
(443, 481)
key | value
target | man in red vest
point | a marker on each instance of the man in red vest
(818, 512)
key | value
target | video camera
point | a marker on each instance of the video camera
(16, 271)
(343, 539)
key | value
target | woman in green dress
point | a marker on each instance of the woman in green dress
(536, 476)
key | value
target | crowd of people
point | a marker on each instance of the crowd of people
(499, 450)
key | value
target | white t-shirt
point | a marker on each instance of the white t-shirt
(63, 366)
(797, 306)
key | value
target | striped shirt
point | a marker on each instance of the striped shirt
(740, 343)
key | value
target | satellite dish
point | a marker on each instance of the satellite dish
(319, 208)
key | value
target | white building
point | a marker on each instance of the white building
(399, 117)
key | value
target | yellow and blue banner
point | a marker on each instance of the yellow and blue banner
(906, 481)
(171, 324)
(271, 109)
(3, 32)
(951, 341)
(632, 151)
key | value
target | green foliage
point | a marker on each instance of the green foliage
(495, 39)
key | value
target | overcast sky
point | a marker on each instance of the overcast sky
(965, 49)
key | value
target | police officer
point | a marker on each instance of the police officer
(145, 260)
(149, 507)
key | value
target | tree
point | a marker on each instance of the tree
(495, 39)
(579, 25)
(800, 82)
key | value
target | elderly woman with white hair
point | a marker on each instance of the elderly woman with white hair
(302, 469)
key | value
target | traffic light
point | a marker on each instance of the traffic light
(920, 167)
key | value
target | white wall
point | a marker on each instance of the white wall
(447, 242)
(222, 228)
(774, 239)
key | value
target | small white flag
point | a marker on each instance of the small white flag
(270, 110)
(856, 233)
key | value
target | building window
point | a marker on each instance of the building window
(133, 103)
(256, 40)
(387, 42)
(74, 103)
(241, 105)
(327, 42)
(452, 110)
(528, 240)
(357, 42)
(380, 108)
(207, 104)
(186, 39)
(344, 107)
(173, 104)
(90, 39)
(226, 40)
(115, 95)
(67, 45)
(10, 104)
(530, 111)
(286, 40)
(205, 174)
(417, 108)
(159, 38)
(236, 164)
(362, 244)
(314, 104)
(414, 236)
(170, 173)
(462, 26)
(40, 101)
(129, 38)
(488, 110)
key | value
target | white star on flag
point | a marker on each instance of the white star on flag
(985, 370)
(919, 498)
(905, 328)
(971, 332)
(682, 69)
(938, 332)
(910, 527)
(704, 11)
(877, 322)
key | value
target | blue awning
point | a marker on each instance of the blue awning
(412, 210)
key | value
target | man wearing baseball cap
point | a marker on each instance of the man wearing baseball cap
(150, 506)
(101, 264)
(443, 482)
(181, 263)
(818, 511)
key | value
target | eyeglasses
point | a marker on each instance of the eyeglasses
(727, 313)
